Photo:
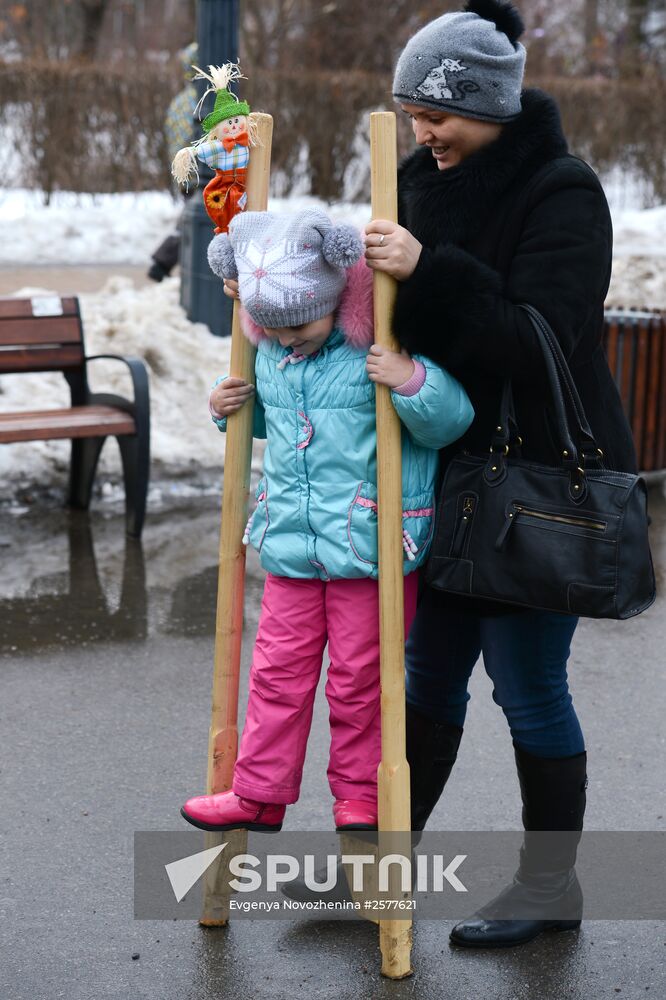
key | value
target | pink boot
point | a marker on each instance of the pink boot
(228, 811)
(354, 814)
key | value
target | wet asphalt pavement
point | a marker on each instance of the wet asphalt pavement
(106, 652)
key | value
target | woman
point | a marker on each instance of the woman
(494, 212)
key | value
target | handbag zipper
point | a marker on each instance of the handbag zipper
(580, 522)
(543, 515)
(462, 527)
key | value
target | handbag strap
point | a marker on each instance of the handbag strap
(567, 446)
(589, 449)
(560, 381)
(506, 433)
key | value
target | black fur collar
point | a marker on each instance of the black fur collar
(452, 205)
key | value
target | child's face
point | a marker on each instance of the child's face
(304, 339)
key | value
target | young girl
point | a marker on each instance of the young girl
(307, 303)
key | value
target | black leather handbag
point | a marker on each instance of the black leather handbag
(572, 538)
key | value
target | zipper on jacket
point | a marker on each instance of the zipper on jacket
(544, 515)
(463, 526)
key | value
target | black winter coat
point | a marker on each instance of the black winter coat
(521, 220)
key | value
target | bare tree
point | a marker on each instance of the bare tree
(92, 18)
(319, 68)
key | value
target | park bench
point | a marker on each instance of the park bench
(45, 334)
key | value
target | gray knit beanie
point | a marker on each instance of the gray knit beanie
(469, 63)
(290, 268)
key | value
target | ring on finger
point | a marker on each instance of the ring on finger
(381, 240)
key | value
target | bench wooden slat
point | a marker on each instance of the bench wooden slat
(22, 308)
(40, 330)
(44, 359)
(82, 421)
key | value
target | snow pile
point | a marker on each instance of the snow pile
(84, 228)
(639, 259)
(80, 229)
(638, 283)
(182, 358)
(640, 233)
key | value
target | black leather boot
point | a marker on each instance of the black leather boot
(431, 752)
(545, 893)
(432, 748)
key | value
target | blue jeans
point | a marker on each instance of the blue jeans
(525, 656)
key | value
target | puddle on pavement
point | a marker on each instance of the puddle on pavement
(69, 578)
(72, 578)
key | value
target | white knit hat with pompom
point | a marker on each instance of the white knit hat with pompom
(290, 268)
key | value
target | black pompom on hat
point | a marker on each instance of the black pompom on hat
(504, 15)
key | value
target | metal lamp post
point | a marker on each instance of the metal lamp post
(201, 292)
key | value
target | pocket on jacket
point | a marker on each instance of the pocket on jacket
(417, 520)
(362, 523)
(260, 518)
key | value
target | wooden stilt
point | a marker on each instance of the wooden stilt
(223, 736)
(393, 775)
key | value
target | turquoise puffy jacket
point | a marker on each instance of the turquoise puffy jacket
(316, 513)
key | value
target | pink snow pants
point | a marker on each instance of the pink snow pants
(297, 618)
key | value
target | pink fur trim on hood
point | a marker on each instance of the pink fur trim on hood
(254, 333)
(355, 312)
(354, 315)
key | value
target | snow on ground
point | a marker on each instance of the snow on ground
(638, 282)
(107, 228)
(640, 233)
(639, 259)
(83, 228)
(183, 358)
(77, 229)
(124, 228)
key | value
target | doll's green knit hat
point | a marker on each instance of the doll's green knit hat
(227, 105)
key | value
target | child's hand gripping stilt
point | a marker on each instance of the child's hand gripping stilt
(228, 397)
(388, 367)
(225, 399)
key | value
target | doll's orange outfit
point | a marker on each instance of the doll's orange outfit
(224, 196)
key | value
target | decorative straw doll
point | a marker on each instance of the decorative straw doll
(229, 131)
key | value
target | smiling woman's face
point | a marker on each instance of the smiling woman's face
(451, 138)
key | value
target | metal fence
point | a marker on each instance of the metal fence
(635, 344)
